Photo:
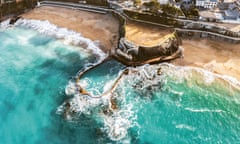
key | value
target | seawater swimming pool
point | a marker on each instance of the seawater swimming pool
(183, 105)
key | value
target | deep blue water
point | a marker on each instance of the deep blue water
(183, 105)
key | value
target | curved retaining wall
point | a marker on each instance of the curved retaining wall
(130, 54)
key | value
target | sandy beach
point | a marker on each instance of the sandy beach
(145, 35)
(94, 26)
(215, 56)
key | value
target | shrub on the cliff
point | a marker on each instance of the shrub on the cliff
(171, 10)
(153, 6)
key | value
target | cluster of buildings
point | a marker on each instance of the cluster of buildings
(222, 10)
(207, 4)
(231, 10)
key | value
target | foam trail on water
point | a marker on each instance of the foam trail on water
(184, 126)
(68, 36)
(204, 110)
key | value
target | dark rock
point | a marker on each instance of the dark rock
(14, 19)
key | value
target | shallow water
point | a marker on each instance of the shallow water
(182, 105)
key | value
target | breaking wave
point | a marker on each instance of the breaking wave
(5, 24)
(68, 36)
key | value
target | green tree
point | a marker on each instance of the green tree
(153, 6)
(195, 12)
(191, 13)
(171, 10)
(137, 2)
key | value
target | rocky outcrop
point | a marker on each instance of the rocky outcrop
(131, 54)
(14, 19)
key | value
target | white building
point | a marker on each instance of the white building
(209, 4)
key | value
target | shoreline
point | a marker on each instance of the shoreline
(211, 55)
(97, 27)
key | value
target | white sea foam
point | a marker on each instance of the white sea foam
(117, 124)
(5, 24)
(71, 89)
(185, 126)
(108, 85)
(68, 36)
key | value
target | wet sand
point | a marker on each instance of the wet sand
(91, 25)
(145, 35)
(215, 56)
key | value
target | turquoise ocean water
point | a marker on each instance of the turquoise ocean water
(182, 105)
